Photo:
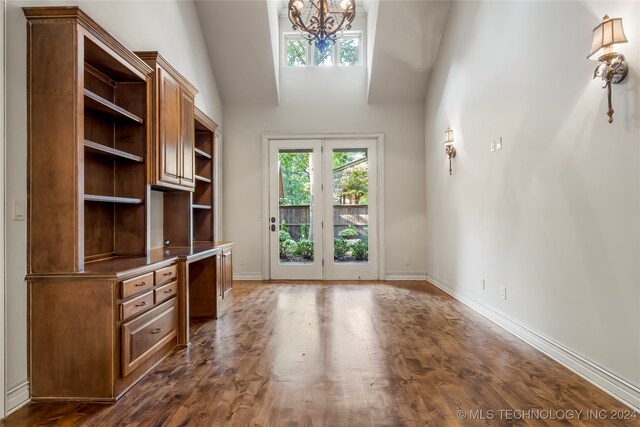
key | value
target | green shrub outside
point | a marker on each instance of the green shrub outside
(360, 251)
(303, 248)
(348, 232)
(340, 248)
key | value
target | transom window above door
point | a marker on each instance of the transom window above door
(345, 52)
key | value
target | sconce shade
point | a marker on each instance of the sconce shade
(605, 35)
(448, 137)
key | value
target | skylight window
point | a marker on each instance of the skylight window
(345, 52)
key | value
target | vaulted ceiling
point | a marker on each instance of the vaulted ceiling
(242, 38)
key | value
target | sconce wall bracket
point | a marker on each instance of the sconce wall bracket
(451, 153)
(612, 69)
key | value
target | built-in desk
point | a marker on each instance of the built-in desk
(205, 272)
(106, 327)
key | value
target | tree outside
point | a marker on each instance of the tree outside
(296, 179)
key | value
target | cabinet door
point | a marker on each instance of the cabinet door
(219, 278)
(169, 128)
(228, 272)
(187, 134)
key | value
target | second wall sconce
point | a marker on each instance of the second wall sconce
(450, 150)
(612, 67)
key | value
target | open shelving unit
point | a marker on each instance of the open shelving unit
(203, 195)
(115, 138)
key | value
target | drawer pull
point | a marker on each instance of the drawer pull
(168, 291)
(142, 304)
(168, 273)
(156, 331)
(141, 284)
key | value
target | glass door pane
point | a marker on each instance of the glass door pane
(350, 170)
(295, 201)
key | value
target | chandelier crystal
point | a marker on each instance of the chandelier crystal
(322, 21)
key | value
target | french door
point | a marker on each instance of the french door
(323, 209)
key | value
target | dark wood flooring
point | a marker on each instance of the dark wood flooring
(343, 354)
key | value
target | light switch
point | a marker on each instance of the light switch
(499, 144)
(18, 210)
(493, 145)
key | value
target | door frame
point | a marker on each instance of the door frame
(264, 219)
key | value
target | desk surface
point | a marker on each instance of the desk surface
(119, 268)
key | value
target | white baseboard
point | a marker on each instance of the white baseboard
(250, 276)
(609, 382)
(405, 276)
(17, 396)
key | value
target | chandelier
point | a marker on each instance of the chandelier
(322, 21)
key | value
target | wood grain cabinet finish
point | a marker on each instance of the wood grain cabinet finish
(92, 363)
(136, 285)
(227, 271)
(144, 336)
(224, 276)
(172, 132)
(136, 305)
(87, 140)
(169, 112)
(165, 292)
(166, 275)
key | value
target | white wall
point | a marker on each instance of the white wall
(555, 215)
(326, 100)
(171, 27)
(2, 210)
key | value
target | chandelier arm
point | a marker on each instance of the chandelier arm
(341, 27)
(299, 22)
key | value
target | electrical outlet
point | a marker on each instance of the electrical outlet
(503, 293)
(493, 145)
(18, 210)
(499, 144)
(483, 284)
(240, 261)
(407, 261)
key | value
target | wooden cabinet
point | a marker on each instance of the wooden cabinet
(224, 275)
(93, 336)
(168, 128)
(172, 132)
(142, 337)
(203, 206)
(104, 126)
(187, 138)
(227, 272)
(87, 110)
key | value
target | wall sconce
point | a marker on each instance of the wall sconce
(613, 68)
(449, 149)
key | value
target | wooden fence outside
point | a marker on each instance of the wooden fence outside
(343, 215)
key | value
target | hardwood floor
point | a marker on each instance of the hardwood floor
(344, 354)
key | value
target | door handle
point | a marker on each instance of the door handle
(273, 227)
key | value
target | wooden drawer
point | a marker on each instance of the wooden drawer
(136, 285)
(165, 292)
(144, 336)
(136, 305)
(165, 275)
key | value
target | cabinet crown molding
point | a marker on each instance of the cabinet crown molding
(154, 56)
(73, 14)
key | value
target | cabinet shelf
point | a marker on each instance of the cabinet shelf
(112, 199)
(203, 179)
(202, 153)
(98, 103)
(207, 207)
(94, 147)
